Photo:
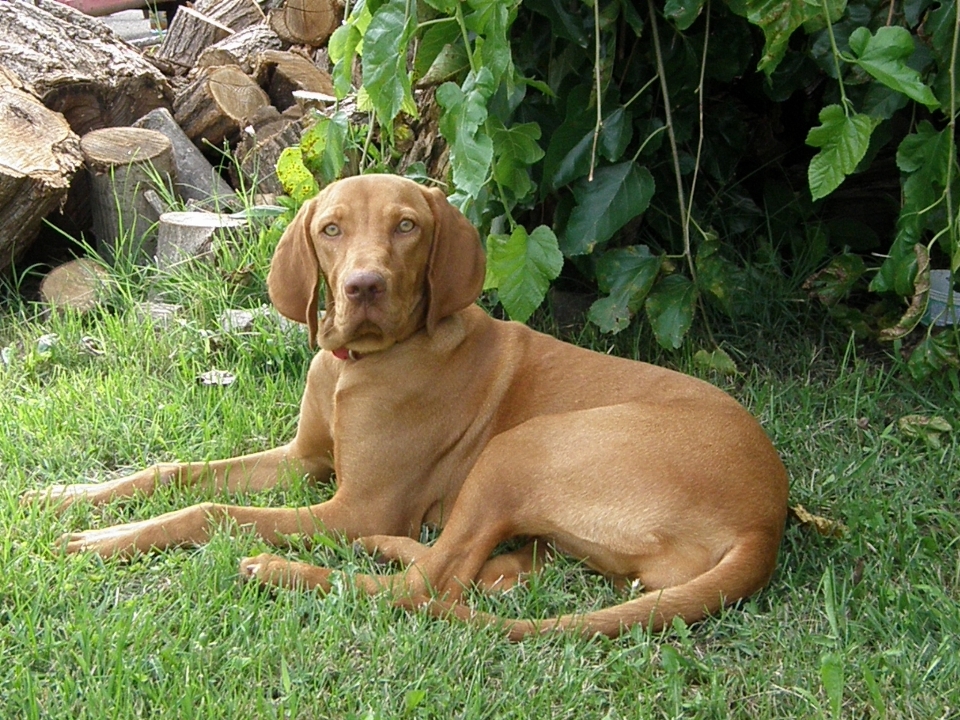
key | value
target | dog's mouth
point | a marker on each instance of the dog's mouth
(363, 337)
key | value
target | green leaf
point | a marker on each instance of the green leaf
(343, 47)
(831, 674)
(885, 55)
(617, 194)
(834, 282)
(323, 146)
(564, 24)
(521, 266)
(933, 354)
(670, 308)
(843, 141)
(446, 7)
(568, 152)
(616, 132)
(413, 698)
(683, 12)
(633, 18)
(515, 151)
(918, 304)
(627, 274)
(385, 60)
(465, 112)
(719, 278)
(440, 54)
(777, 19)
(297, 181)
(491, 20)
(898, 270)
(718, 361)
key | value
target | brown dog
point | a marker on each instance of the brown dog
(426, 410)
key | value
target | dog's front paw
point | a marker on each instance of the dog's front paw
(280, 572)
(123, 541)
(60, 497)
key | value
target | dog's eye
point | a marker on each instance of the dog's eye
(405, 226)
(331, 230)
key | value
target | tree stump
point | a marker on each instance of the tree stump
(196, 178)
(241, 48)
(306, 22)
(39, 156)
(78, 66)
(234, 14)
(215, 105)
(284, 72)
(189, 35)
(77, 285)
(185, 236)
(126, 166)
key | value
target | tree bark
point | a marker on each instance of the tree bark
(189, 35)
(234, 14)
(196, 178)
(78, 66)
(127, 166)
(39, 156)
(241, 49)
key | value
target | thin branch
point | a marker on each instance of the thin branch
(672, 136)
(700, 94)
(596, 72)
(952, 124)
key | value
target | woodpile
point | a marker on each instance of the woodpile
(89, 121)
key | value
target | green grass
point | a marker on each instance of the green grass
(863, 626)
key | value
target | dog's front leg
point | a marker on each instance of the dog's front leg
(194, 525)
(254, 472)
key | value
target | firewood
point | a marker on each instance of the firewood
(191, 235)
(214, 106)
(78, 285)
(190, 34)
(78, 66)
(39, 156)
(306, 22)
(259, 150)
(234, 14)
(127, 166)
(284, 72)
(241, 48)
(196, 178)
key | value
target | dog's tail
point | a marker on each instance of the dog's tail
(746, 568)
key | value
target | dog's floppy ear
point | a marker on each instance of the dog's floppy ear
(457, 264)
(294, 277)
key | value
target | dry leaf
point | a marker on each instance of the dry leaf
(929, 429)
(824, 526)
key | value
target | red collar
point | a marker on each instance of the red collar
(343, 353)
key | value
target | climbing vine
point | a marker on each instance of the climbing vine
(645, 148)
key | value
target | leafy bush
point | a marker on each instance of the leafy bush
(652, 145)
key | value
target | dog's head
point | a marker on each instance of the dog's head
(393, 256)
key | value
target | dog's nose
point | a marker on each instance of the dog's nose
(364, 286)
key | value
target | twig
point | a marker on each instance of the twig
(596, 72)
(688, 254)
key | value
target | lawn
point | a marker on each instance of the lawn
(865, 625)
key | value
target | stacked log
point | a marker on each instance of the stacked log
(232, 84)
